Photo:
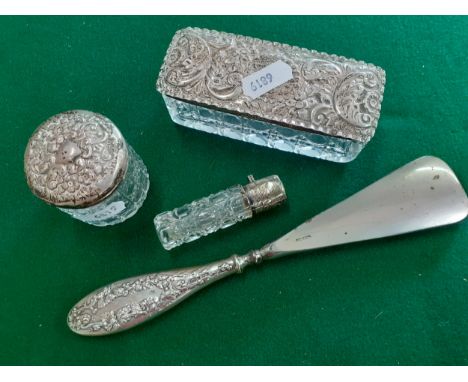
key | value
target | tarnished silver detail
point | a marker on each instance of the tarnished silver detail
(257, 256)
(265, 193)
(328, 94)
(126, 303)
(422, 194)
(75, 159)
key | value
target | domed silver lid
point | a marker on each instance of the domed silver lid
(75, 159)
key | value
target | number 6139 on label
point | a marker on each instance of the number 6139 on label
(266, 79)
(260, 82)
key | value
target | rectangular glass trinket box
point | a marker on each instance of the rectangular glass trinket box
(271, 94)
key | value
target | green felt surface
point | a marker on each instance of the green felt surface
(397, 301)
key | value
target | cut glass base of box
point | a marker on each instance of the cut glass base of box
(262, 133)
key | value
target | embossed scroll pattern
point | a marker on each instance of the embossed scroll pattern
(135, 299)
(75, 157)
(328, 93)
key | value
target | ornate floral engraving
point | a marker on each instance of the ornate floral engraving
(328, 94)
(128, 302)
(75, 158)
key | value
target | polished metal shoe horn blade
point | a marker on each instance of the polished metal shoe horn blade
(422, 194)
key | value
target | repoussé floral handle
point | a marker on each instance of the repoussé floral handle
(126, 303)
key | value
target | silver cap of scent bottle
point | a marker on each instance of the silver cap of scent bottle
(271, 94)
(263, 194)
(76, 160)
(216, 211)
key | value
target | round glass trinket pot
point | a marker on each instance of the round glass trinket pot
(79, 161)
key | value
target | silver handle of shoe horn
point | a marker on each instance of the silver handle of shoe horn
(424, 193)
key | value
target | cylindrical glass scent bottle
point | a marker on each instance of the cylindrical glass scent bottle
(220, 210)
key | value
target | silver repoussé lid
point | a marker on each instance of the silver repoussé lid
(75, 159)
(328, 94)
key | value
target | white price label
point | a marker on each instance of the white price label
(109, 211)
(266, 79)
